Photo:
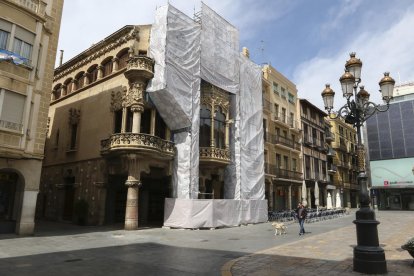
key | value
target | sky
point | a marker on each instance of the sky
(308, 41)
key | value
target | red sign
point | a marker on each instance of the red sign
(386, 183)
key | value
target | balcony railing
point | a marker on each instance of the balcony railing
(282, 173)
(36, 6)
(11, 126)
(138, 142)
(329, 136)
(267, 105)
(280, 140)
(215, 155)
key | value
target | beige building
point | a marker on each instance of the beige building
(344, 169)
(281, 126)
(29, 33)
(126, 145)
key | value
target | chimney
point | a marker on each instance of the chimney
(61, 58)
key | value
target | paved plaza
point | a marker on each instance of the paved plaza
(66, 249)
(330, 253)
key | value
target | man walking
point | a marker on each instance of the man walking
(301, 215)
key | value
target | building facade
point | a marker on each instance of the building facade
(137, 136)
(315, 149)
(345, 163)
(29, 32)
(390, 161)
(282, 133)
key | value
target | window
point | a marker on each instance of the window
(146, 121)
(118, 121)
(291, 98)
(286, 162)
(23, 49)
(107, 68)
(283, 92)
(93, 74)
(275, 88)
(73, 136)
(283, 115)
(4, 39)
(160, 126)
(278, 160)
(219, 129)
(294, 165)
(205, 126)
(11, 110)
(265, 129)
(123, 60)
(277, 110)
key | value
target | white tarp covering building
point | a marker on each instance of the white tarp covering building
(186, 52)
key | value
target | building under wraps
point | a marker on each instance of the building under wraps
(187, 53)
(185, 122)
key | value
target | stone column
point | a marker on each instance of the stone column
(289, 199)
(100, 72)
(133, 183)
(152, 127)
(115, 64)
(212, 142)
(86, 79)
(136, 119)
(227, 143)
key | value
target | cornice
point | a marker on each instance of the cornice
(98, 50)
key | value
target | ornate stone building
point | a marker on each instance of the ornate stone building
(29, 32)
(104, 133)
(282, 130)
(132, 124)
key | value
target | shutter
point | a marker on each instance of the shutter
(13, 108)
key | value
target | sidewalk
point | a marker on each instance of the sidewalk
(330, 253)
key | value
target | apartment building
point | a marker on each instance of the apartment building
(29, 32)
(282, 134)
(315, 149)
(345, 162)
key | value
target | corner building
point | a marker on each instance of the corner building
(29, 32)
(154, 126)
(282, 133)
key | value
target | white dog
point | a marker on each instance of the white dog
(280, 228)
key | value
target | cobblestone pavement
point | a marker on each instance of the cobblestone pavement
(330, 253)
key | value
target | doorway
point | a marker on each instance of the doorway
(8, 206)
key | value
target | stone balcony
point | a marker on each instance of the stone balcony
(145, 144)
(214, 156)
(139, 68)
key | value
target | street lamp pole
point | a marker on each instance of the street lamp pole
(368, 257)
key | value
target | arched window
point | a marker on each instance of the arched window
(57, 92)
(123, 59)
(69, 86)
(80, 80)
(220, 129)
(205, 126)
(107, 67)
(93, 73)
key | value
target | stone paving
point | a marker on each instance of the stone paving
(330, 253)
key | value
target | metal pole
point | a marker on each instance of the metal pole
(368, 257)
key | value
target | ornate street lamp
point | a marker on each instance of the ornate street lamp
(369, 257)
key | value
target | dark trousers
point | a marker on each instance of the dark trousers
(301, 222)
